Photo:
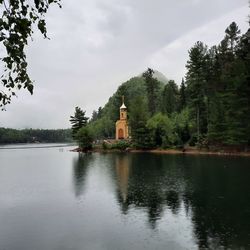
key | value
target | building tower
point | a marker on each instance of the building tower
(122, 124)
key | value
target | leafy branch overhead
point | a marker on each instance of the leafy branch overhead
(18, 20)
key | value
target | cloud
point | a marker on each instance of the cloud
(96, 45)
(172, 58)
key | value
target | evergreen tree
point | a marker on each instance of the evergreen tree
(94, 116)
(232, 96)
(182, 100)
(153, 89)
(229, 91)
(141, 135)
(244, 57)
(170, 98)
(78, 121)
(232, 36)
(99, 112)
(84, 138)
(197, 87)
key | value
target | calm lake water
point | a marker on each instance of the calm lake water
(51, 198)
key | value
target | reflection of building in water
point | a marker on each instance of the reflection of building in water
(122, 171)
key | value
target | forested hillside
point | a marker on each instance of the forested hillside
(209, 108)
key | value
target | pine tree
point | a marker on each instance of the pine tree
(197, 87)
(170, 98)
(233, 100)
(153, 88)
(229, 96)
(182, 100)
(232, 36)
(94, 116)
(244, 56)
(141, 135)
(78, 121)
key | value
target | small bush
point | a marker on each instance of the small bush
(105, 146)
(84, 138)
(121, 145)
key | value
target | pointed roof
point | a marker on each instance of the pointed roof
(123, 105)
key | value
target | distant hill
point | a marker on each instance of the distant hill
(130, 89)
(160, 77)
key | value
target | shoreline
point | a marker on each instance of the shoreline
(167, 151)
(192, 152)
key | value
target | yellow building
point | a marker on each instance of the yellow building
(122, 124)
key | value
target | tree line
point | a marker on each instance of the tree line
(8, 135)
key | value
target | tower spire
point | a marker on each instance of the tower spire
(123, 105)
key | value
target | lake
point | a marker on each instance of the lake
(51, 198)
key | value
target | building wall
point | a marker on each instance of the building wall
(122, 124)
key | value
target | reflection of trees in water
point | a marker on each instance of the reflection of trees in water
(80, 169)
(211, 193)
(149, 184)
(220, 202)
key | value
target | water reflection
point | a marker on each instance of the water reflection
(210, 189)
(219, 199)
(212, 192)
(122, 166)
(81, 165)
(146, 184)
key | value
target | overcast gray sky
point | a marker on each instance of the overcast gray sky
(96, 45)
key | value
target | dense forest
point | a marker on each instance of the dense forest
(210, 107)
(8, 135)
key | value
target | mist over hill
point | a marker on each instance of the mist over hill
(159, 76)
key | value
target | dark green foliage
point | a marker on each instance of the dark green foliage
(105, 145)
(141, 135)
(17, 22)
(182, 100)
(218, 90)
(153, 90)
(8, 136)
(84, 138)
(99, 113)
(197, 87)
(121, 145)
(162, 130)
(182, 126)
(78, 121)
(170, 98)
(94, 116)
(228, 123)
